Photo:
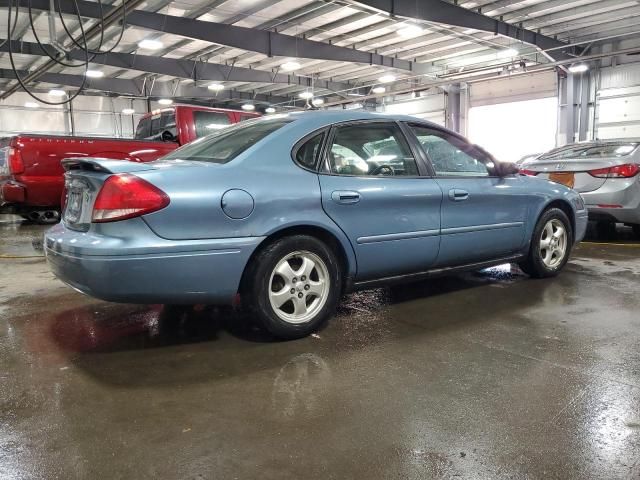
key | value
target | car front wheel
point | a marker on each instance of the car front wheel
(293, 286)
(550, 245)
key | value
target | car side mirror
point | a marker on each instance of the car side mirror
(167, 136)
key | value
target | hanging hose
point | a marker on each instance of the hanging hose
(82, 43)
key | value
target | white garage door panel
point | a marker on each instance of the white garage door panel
(514, 89)
(619, 109)
(430, 108)
(618, 102)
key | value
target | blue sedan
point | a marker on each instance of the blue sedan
(288, 212)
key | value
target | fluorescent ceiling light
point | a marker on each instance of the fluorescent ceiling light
(216, 87)
(317, 102)
(57, 93)
(150, 44)
(270, 110)
(306, 95)
(128, 111)
(387, 78)
(579, 68)
(508, 53)
(31, 105)
(165, 101)
(355, 94)
(290, 66)
(94, 73)
(378, 89)
(248, 107)
(410, 31)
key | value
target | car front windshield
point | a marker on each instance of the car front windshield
(224, 146)
(606, 150)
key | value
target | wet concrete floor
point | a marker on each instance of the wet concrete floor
(484, 375)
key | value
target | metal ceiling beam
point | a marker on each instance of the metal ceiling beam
(137, 88)
(442, 12)
(188, 69)
(250, 39)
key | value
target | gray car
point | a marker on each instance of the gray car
(605, 173)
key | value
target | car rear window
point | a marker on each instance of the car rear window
(591, 151)
(224, 146)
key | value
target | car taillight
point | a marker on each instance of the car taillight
(126, 196)
(531, 173)
(14, 160)
(620, 171)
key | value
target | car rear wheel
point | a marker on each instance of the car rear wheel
(550, 245)
(293, 286)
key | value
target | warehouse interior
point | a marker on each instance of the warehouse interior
(482, 374)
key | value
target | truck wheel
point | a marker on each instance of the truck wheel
(293, 286)
(550, 245)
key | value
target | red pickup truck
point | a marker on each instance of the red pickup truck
(31, 176)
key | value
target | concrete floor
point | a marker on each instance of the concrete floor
(487, 375)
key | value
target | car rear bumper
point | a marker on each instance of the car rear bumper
(617, 200)
(28, 192)
(170, 272)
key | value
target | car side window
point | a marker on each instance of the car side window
(371, 149)
(452, 156)
(307, 155)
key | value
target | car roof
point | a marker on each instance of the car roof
(320, 118)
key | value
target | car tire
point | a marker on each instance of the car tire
(293, 286)
(550, 248)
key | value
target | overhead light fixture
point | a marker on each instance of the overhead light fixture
(249, 107)
(57, 93)
(128, 111)
(316, 102)
(355, 94)
(387, 78)
(150, 44)
(508, 53)
(579, 68)
(269, 110)
(94, 74)
(306, 95)
(165, 101)
(216, 87)
(410, 31)
(378, 90)
(31, 105)
(354, 106)
(290, 66)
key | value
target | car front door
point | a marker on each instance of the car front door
(483, 214)
(374, 189)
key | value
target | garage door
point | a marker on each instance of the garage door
(429, 107)
(618, 103)
(515, 117)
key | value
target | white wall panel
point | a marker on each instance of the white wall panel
(618, 102)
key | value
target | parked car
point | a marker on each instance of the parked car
(31, 176)
(604, 172)
(267, 209)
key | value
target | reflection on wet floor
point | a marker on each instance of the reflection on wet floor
(482, 375)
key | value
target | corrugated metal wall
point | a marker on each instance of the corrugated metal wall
(91, 115)
(429, 106)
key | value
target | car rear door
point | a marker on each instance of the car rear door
(483, 215)
(376, 191)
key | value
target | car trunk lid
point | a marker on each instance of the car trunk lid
(572, 172)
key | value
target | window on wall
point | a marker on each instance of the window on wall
(511, 131)
(371, 149)
(452, 156)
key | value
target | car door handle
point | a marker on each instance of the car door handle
(458, 195)
(345, 197)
